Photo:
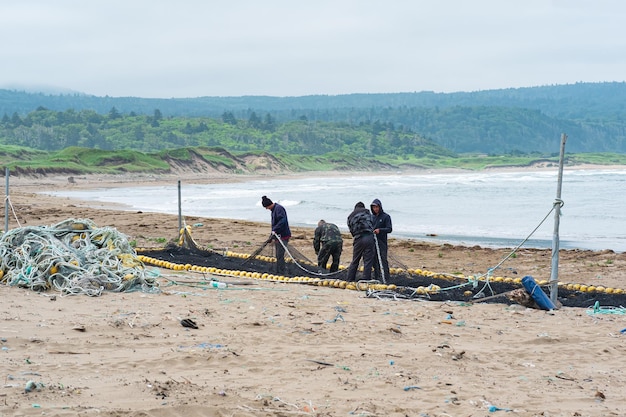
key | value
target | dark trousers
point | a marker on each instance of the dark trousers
(363, 247)
(382, 251)
(326, 251)
(280, 255)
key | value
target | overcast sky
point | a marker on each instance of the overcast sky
(193, 48)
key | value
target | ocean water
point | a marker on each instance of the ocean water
(490, 209)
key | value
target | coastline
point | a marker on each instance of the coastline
(438, 220)
(264, 348)
(598, 268)
(90, 181)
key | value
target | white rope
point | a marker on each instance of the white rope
(380, 260)
(295, 261)
(7, 201)
(489, 273)
(73, 257)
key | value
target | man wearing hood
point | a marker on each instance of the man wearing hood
(382, 227)
(360, 225)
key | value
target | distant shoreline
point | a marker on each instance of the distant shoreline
(134, 194)
(90, 181)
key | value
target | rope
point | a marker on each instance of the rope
(597, 309)
(479, 294)
(390, 294)
(73, 257)
(7, 201)
(465, 284)
(380, 260)
(558, 202)
(336, 273)
(299, 265)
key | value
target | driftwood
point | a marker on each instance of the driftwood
(521, 296)
(491, 297)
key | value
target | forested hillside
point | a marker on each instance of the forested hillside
(55, 130)
(508, 121)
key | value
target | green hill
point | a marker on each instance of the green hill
(521, 121)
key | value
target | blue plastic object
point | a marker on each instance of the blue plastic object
(493, 409)
(540, 297)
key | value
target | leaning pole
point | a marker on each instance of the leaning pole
(558, 203)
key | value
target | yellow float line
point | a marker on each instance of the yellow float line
(431, 289)
(360, 286)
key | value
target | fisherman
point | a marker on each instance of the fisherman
(327, 242)
(361, 229)
(382, 227)
(280, 231)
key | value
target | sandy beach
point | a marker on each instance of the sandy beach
(266, 348)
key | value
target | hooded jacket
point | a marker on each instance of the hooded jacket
(382, 222)
(360, 221)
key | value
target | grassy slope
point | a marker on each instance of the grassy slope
(75, 161)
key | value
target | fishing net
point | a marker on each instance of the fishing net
(293, 255)
(408, 283)
(74, 257)
(185, 240)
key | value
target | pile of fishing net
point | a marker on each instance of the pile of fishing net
(74, 257)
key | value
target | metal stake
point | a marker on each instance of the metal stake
(554, 272)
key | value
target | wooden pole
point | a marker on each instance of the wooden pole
(554, 272)
(180, 211)
(6, 201)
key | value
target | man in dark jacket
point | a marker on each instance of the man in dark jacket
(280, 231)
(382, 227)
(360, 225)
(327, 242)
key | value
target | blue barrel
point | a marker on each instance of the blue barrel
(537, 293)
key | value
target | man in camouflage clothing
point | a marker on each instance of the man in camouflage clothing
(327, 242)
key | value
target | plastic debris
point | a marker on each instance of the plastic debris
(189, 323)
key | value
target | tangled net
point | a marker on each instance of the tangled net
(74, 257)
